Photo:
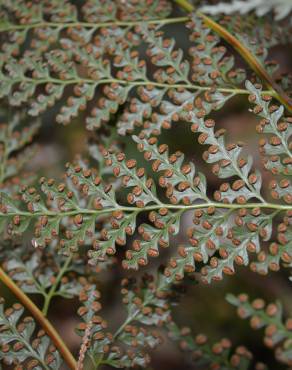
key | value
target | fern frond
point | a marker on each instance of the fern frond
(121, 64)
(71, 212)
(96, 149)
(94, 341)
(277, 148)
(147, 310)
(143, 188)
(277, 333)
(232, 235)
(105, 11)
(204, 240)
(54, 69)
(258, 39)
(104, 59)
(15, 150)
(180, 179)
(126, 347)
(46, 273)
(228, 163)
(246, 54)
(165, 224)
(57, 12)
(19, 347)
(279, 251)
(211, 72)
(208, 356)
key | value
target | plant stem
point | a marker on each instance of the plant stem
(252, 61)
(147, 82)
(156, 207)
(185, 5)
(39, 316)
(52, 291)
(60, 26)
(127, 321)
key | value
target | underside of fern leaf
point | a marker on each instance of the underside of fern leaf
(242, 217)
(184, 178)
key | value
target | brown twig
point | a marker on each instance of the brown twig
(38, 315)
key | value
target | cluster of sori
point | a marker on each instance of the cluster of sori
(114, 65)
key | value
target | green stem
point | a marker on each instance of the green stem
(127, 322)
(53, 289)
(185, 5)
(60, 26)
(105, 81)
(234, 206)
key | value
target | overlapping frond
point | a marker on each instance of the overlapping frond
(127, 346)
(69, 213)
(228, 162)
(207, 355)
(101, 66)
(42, 71)
(15, 148)
(209, 71)
(20, 346)
(118, 59)
(37, 273)
(276, 147)
(258, 38)
(279, 252)
(277, 331)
